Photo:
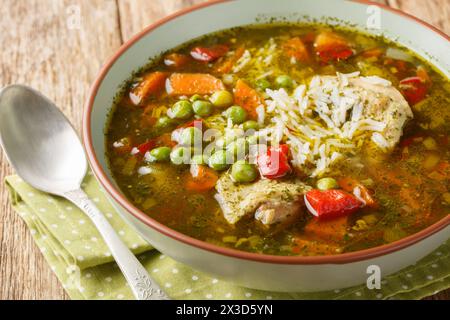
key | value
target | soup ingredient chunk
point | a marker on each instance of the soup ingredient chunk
(247, 97)
(222, 99)
(201, 178)
(330, 46)
(152, 83)
(331, 203)
(383, 103)
(192, 83)
(295, 48)
(182, 110)
(274, 164)
(239, 200)
(242, 171)
(273, 212)
(208, 54)
(414, 89)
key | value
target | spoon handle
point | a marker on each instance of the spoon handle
(142, 285)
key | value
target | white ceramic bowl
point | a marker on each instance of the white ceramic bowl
(247, 269)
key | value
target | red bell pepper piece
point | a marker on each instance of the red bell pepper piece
(146, 146)
(330, 46)
(209, 54)
(414, 89)
(331, 203)
(275, 163)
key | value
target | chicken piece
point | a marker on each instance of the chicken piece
(272, 200)
(386, 104)
(274, 212)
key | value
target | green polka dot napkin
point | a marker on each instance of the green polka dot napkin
(80, 259)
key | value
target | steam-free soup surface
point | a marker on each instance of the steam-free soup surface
(355, 128)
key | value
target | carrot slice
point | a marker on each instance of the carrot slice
(349, 184)
(201, 179)
(228, 64)
(328, 230)
(153, 83)
(295, 48)
(192, 83)
(247, 97)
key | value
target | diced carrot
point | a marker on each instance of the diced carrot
(422, 73)
(406, 195)
(330, 46)
(192, 83)
(247, 97)
(349, 184)
(153, 83)
(228, 64)
(295, 48)
(201, 179)
(312, 247)
(371, 53)
(165, 140)
(176, 60)
(328, 230)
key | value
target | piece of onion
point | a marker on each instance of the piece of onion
(398, 54)
(309, 207)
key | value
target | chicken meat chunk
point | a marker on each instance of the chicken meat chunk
(383, 103)
(271, 201)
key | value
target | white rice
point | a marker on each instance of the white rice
(322, 120)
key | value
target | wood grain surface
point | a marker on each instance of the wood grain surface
(57, 47)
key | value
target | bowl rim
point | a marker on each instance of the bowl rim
(102, 177)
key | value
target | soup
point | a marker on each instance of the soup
(285, 140)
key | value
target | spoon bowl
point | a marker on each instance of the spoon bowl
(39, 141)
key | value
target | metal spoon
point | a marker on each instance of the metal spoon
(46, 152)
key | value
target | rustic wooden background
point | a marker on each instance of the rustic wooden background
(45, 45)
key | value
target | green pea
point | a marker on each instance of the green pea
(180, 155)
(195, 97)
(163, 122)
(250, 125)
(199, 159)
(202, 108)
(237, 114)
(327, 183)
(218, 160)
(161, 154)
(182, 110)
(190, 136)
(262, 84)
(243, 172)
(238, 147)
(284, 81)
(222, 99)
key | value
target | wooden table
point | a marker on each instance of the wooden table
(58, 46)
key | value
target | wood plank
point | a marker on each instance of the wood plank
(435, 12)
(49, 50)
(135, 15)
